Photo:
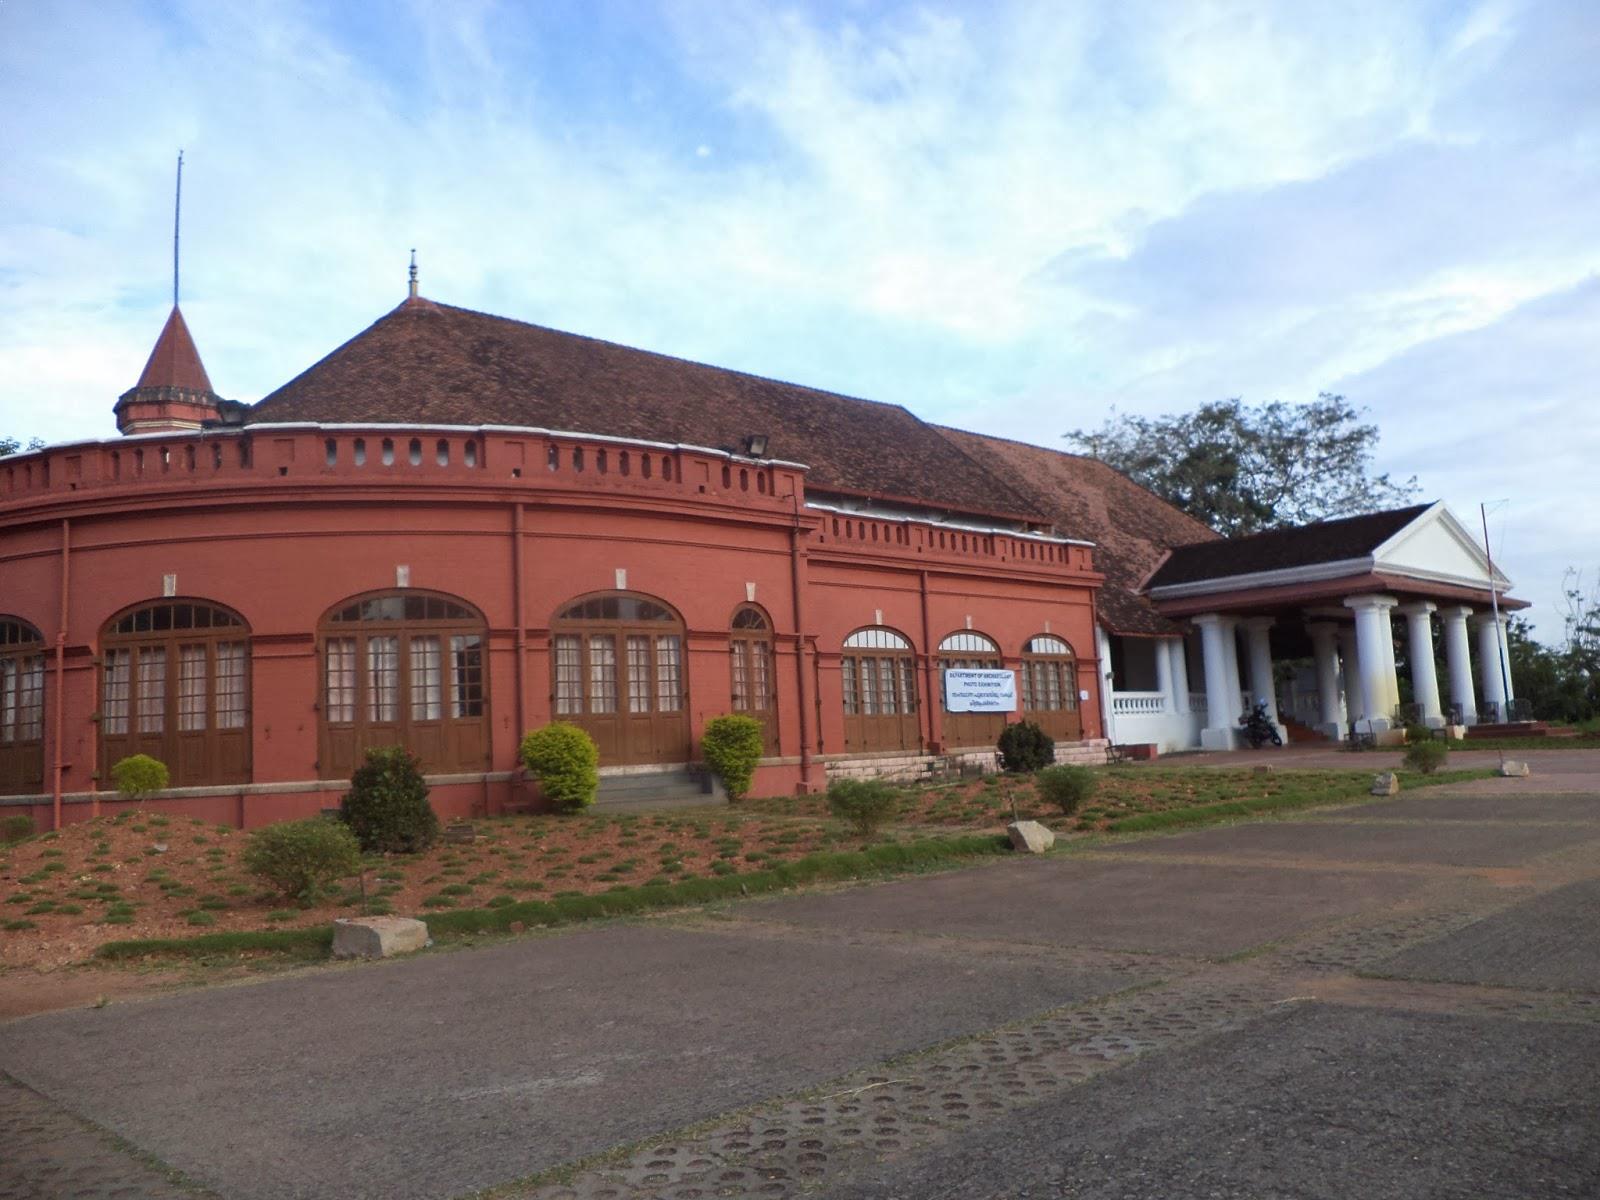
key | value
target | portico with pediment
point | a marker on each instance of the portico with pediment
(1337, 593)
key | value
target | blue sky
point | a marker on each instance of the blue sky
(1013, 217)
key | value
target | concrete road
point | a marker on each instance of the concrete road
(1394, 999)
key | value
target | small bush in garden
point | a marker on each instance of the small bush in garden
(1025, 747)
(1066, 787)
(15, 828)
(732, 746)
(138, 776)
(387, 806)
(1427, 756)
(300, 857)
(866, 803)
(565, 761)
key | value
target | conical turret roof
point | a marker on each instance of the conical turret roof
(175, 361)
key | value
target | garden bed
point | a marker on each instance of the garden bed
(143, 877)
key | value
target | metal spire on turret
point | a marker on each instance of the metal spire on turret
(413, 272)
(177, 212)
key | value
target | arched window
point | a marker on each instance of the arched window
(404, 669)
(1050, 687)
(878, 676)
(617, 670)
(175, 684)
(21, 708)
(751, 668)
(969, 651)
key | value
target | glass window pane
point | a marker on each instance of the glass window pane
(151, 687)
(602, 674)
(383, 679)
(191, 688)
(114, 697)
(638, 674)
(30, 699)
(908, 686)
(669, 673)
(427, 701)
(229, 704)
(9, 674)
(847, 671)
(869, 687)
(760, 676)
(466, 676)
(739, 653)
(569, 675)
(341, 681)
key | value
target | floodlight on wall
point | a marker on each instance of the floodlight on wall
(755, 445)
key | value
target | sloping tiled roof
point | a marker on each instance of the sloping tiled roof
(1278, 549)
(1131, 527)
(432, 363)
(175, 361)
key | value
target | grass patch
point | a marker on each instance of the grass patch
(1285, 800)
(300, 942)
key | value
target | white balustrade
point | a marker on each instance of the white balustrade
(1131, 704)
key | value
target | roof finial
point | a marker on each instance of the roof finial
(413, 272)
(177, 211)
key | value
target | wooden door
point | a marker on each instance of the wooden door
(880, 703)
(1050, 689)
(751, 671)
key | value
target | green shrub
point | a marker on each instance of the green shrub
(732, 746)
(387, 806)
(1426, 757)
(14, 828)
(565, 761)
(299, 857)
(866, 803)
(1065, 787)
(138, 776)
(1025, 747)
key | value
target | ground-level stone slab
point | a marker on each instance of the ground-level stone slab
(1314, 1103)
(378, 937)
(1453, 844)
(1551, 942)
(434, 1076)
(1157, 908)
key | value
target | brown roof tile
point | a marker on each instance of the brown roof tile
(432, 363)
(175, 361)
(1277, 549)
(1131, 528)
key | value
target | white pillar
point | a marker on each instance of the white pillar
(1355, 703)
(1178, 671)
(1169, 703)
(1108, 697)
(1230, 646)
(1458, 657)
(1222, 682)
(1424, 678)
(1494, 687)
(1375, 643)
(1505, 646)
(1324, 642)
(1262, 685)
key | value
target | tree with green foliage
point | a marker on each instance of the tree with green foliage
(387, 805)
(138, 776)
(11, 445)
(1562, 682)
(566, 762)
(299, 858)
(1243, 468)
(732, 746)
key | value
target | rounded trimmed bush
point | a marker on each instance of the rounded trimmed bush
(1024, 747)
(732, 746)
(1426, 757)
(387, 805)
(566, 762)
(867, 804)
(298, 858)
(138, 776)
(1066, 787)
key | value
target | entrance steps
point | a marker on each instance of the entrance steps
(651, 789)
(1299, 734)
(910, 768)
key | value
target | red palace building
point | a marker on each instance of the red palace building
(457, 527)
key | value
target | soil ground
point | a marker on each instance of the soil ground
(1187, 1015)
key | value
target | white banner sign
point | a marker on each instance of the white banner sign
(980, 691)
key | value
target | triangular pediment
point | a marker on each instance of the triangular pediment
(1437, 546)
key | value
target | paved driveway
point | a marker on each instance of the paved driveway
(1284, 993)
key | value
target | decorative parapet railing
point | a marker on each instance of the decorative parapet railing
(1197, 702)
(904, 536)
(376, 454)
(1138, 704)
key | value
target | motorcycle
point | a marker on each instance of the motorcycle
(1259, 728)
